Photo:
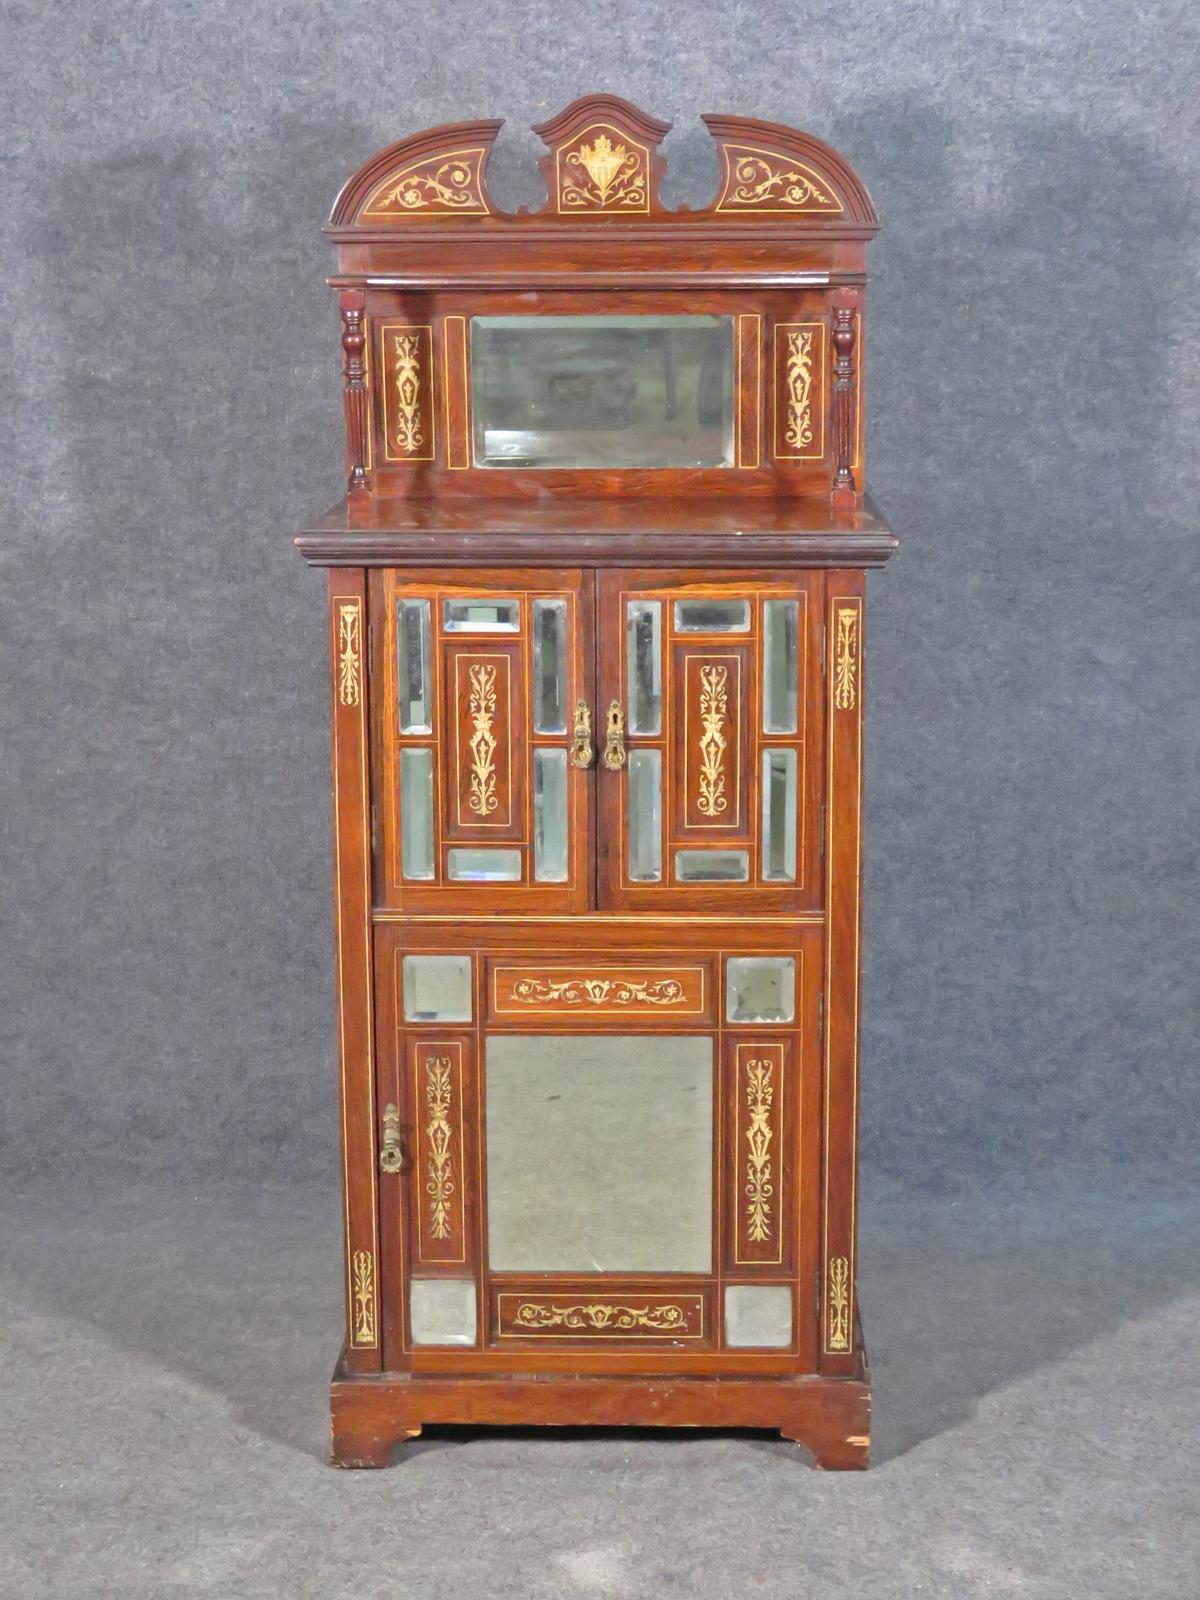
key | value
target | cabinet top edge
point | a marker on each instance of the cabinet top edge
(756, 531)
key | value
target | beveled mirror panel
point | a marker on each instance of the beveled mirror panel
(599, 1153)
(602, 391)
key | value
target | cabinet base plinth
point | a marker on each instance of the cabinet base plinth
(830, 1417)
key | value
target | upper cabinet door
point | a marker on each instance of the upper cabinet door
(482, 776)
(710, 738)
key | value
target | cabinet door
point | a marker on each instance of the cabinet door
(708, 693)
(478, 802)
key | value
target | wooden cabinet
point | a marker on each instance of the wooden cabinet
(596, 622)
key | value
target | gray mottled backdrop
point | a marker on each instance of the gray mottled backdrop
(173, 408)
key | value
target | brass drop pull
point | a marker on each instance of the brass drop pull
(583, 752)
(614, 744)
(391, 1156)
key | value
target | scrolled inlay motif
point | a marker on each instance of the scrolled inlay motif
(798, 378)
(766, 181)
(481, 706)
(839, 1304)
(714, 699)
(440, 1175)
(760, 1095)
(364, 1297)
(349, 653)
(406, 352)
(601, 1317)
(845, 681)
(444, 183)
(599, 991)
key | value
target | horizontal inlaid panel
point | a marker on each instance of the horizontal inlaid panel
(593, 1314)
(599, 989)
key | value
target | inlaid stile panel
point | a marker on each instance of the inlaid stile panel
(440, 1101)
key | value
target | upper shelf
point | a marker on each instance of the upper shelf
(809, 531)
(603, 168)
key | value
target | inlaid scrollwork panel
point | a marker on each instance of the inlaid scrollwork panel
(760, 1167)
(597, 989)
(438, 1175)
(486, 740)
(448, 184)
(800, 391)
(407, 412)
(768, 181)
(607, 1315)
(711, 737)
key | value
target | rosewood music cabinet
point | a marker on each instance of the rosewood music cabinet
(596, 616)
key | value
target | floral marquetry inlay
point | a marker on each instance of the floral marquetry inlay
(439, 1186)
(839, 1304)
(629, 1316)
(603, 170)
(845, 667)
(762, 180)
(406, 370)
(481, 705)
(349, 653)
(442, 185)
(799, 374)
(714, 700)
(599, 992)
(364, 1298)
(760, 1190)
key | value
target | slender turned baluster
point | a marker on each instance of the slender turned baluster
(354, 344)
(843, 398)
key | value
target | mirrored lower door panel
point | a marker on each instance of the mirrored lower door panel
(607, 1154)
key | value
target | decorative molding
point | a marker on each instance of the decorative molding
(349, 652)
(440, 1186)
(406, 377)
(771, 181)
(441, 185)
(839, 1304)
(798, 375)
(481, 705)
(845, 667)
(760, 1189)
(364, 1298)
(714, 702)
(599, 992)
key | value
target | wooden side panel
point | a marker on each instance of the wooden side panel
(844, 691)
(353, 932)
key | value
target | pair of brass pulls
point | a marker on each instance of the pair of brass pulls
(583, 751)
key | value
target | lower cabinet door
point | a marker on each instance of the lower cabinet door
(594, 1162)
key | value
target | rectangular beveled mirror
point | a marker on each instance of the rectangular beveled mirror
(599, 1153)
(602, 391)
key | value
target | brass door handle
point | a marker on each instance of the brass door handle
(391, 1156)
(583, 752)
(614, 744)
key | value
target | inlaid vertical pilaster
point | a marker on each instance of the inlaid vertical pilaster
(352, 932)
(843, 854)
